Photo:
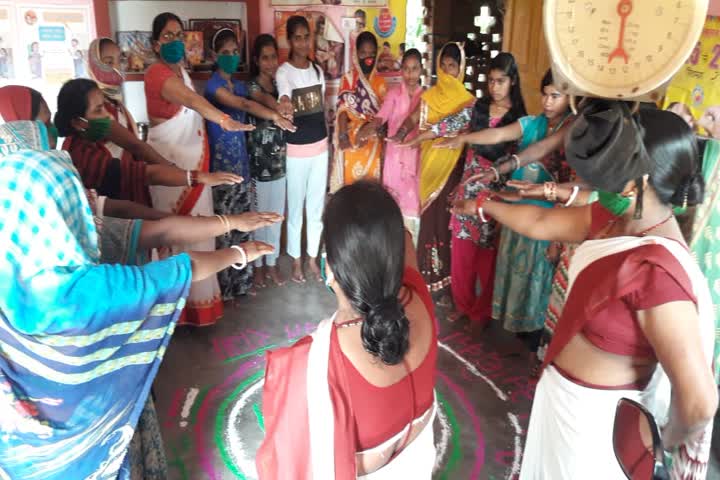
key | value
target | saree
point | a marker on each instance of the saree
(447, 97)
(523, 275)
(578, 420)
(360, 98)
(79, 353)
(301, 410)
(401, 165)
(183, 141)
(706, 235)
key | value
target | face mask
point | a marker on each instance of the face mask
(98, 128)
(614, 202)
(327, 279)
(228, 63)
(367, 65)
(172, 52)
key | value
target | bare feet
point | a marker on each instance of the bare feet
(314, 268)
(259, 277)
(273, 274)
(297, 271)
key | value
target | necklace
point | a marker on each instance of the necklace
(350, 323)
(612, 223)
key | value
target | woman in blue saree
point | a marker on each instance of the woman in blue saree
(523, 277)
(81, 341)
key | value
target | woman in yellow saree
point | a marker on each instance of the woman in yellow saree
(358, 149)
(444, 111)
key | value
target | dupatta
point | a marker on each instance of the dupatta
(447, 97)
(81, 342)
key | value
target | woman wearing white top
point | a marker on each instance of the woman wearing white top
(301, 86)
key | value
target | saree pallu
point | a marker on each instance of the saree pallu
(360, 98)
(79, 353)
(578, 420)
(705, 240)
(182, 140)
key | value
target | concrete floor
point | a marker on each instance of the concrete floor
(208, 391)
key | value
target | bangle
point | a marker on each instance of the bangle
(496, 172)
(480, 201)
(514, 162)
(225, 223)
(573, 196)
(225, 118)
(189, 178)
(550, 190)
(243, 254)
(193, 176)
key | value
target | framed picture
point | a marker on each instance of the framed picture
(208, 28)
(136, 47)
(194, 48)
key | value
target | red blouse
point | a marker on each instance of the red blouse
(155, 78)
(605, 297)
(382, 412)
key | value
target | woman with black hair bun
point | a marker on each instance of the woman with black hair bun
(356, 398)
(638, 320)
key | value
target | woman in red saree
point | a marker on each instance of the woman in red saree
(357, 149)
(355, 399)
(638, 320)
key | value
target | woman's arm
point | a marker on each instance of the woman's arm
(264, 98)
(564, 192)
(206, 264)
(228, 99)
(175, 91)
(408, 125)
(536, 151)
(186, 230)
(171, 176)
(131, 210)
(125, 139)
(570, 225)
(488, 136)
(343, 122)
(673, 330)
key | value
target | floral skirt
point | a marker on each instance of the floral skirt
(232, 200)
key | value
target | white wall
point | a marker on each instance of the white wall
(129, 15)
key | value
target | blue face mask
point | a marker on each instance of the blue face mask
(172, 52)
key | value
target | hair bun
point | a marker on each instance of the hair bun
(386, 330)
(605, 146)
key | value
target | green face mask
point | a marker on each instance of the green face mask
(98, 128)
(614, 202)
(172, 52)
(228, 63)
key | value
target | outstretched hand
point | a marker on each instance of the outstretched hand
(450, 142)
(251, 221)
(218, 178)
(464, 207)
(255, 250)
(231, 125)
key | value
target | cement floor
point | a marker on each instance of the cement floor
(209, 388)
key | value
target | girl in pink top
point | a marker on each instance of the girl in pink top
(400, 170)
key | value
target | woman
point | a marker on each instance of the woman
(301, 86)
(177, 132)
(474, 244)
(229, 152)
(19, 103)
(445, 110)
(523, 276)
(371, 367)
(86, 125)
(358, 150)
(638, 319)
(268, 154)
(79, 352)
(400, 165)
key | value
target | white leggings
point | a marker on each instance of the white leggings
(269, 197)
(306, 186)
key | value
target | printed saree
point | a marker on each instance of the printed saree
(360, 98)
(79, 353)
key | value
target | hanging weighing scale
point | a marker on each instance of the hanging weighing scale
(620, 49)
